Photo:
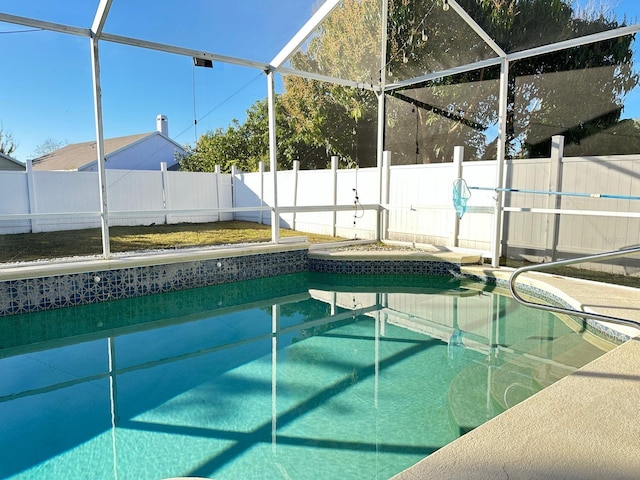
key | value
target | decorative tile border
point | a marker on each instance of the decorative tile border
(58, 291)
(384, 267)
(48, 293)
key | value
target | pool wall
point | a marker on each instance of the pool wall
(56, 285)
(52, 286)
(49, 286)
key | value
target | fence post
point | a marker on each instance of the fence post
(31, 193)
(296, 170)
(261, 171)
(383, 228)
(216, 170)
(234, 184)
(334, 193)
(458, 156)
(554, 201)
(165, 192)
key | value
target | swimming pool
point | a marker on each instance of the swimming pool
(296, 376)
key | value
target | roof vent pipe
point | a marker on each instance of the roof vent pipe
(162, 125)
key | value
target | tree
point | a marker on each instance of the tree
(342, 120)
(7, 144)
(424, 122)
(246, 145)
(546, 93)
(48, 146)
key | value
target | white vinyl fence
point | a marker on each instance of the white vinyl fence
(45, 201)
(405, 203)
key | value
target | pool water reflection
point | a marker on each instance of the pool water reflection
(299, 376)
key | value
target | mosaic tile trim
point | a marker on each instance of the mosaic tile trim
(383, 267)
(48, 293)
(591, 325)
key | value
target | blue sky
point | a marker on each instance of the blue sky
(48, 91)
(46, 88)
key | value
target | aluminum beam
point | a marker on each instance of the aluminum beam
(496, 244)
(304, 33)
(50, 26)
(476, 28)
(101, 17)
(188, 52)
(444, 73)
(327, 79)
(273, 156)
(574, 42)
(102, 178)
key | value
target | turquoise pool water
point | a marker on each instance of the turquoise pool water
(299, 376)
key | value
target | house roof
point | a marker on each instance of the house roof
(78, 155)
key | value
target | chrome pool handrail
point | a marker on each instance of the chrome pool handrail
(570, 311)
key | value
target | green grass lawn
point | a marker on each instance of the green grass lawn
(26, 247)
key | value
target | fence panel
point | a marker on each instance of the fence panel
(247, 189)
(420, 202)
(357, 223)
(66, 192)
(603, 175)
(131, 190)
(315, 187)
(188, 190)
(476, 226)
(15, 200)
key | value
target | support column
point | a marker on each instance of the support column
(97, 99)
(381, 104)
(165, 190)
(216, 170)
(261, 171)
(296, 170)
(234, 189)
(273, 160)
(458, 156)
(554, 201)
(496, 244)
(334, 194)
(386, 185)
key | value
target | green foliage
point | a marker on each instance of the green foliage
(577, 92)
(246, 145)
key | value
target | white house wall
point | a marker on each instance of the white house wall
(147, 154)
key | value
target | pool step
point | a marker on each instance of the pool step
(523, 375)
(482, 391)
(469, 402)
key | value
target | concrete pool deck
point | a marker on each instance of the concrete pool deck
(585, 426)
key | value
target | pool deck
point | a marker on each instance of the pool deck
(585, 426)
